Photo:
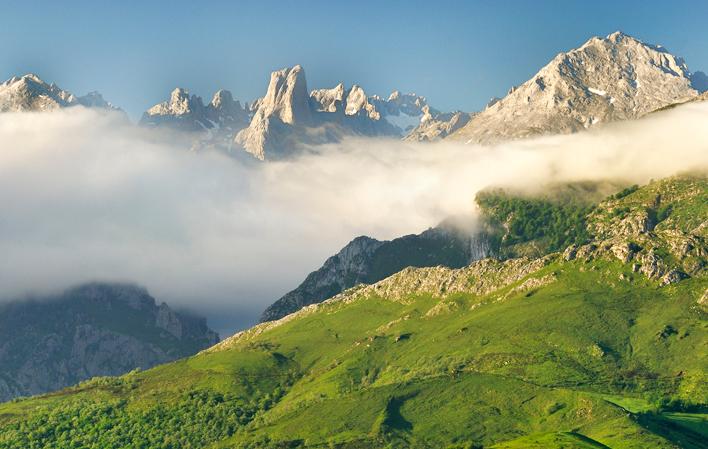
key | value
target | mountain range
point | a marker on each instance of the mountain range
(604, 80)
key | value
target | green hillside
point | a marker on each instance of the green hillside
(601, 345)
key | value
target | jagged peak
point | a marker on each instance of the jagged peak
(222, 97)
(618, 36)
(34, 77)
(287, 95)
(179, 93)
(295, 71)
(28, 77)
(327, 100)
(94, 99)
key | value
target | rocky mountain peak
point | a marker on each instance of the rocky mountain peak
(606, 79)
(618, 36)
(94, 99)
(181, 103)
(223, 100)
(30, 93)
(285, 105)
(326, 100)
(226, 111)
(286, 118)
(287, 96)
(358, 102)
(188, 113)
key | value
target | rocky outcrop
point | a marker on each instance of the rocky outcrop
(654, 229)
(365, 261)
(29, 93)
(606, 79)
(92, 330)
(481, 277)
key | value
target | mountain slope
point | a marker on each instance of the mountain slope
(578, 349)
(91, 330)
(366, 260)
(615, 78)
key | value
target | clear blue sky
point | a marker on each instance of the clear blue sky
(458, 54)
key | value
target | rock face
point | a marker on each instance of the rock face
(29, 93)
(92, 330)
(365, 260)
(280, 116)
(606, 79)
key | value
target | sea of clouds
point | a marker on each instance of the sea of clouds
(88, 196)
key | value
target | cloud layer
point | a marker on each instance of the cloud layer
(86, 196)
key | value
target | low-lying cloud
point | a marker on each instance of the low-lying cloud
(85, 196)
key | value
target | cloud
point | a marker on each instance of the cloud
(85, 196)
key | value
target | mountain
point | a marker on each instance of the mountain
(602, 344)
(365, 260)
(92, 330)
(213, 125)
(288, 117)
(30, 93)
(615, 78)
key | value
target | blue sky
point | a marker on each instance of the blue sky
(458, 54)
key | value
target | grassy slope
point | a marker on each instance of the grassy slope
(557, 365)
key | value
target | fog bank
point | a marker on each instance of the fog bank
(86, 196)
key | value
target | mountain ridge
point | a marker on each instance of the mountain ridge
(365, 260)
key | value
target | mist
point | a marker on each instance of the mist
(87, 196)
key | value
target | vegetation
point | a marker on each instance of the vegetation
(583, 354)
(193, 421)
(516, 220)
